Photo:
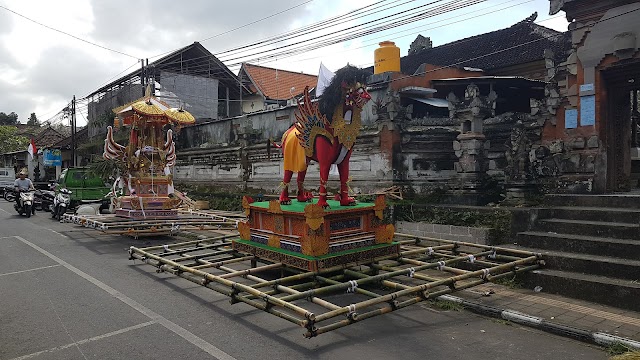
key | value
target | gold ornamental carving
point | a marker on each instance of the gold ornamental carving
(244, 230)
(314, 215)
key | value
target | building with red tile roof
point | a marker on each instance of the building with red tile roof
(272, 86)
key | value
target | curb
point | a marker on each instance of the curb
(598, 338)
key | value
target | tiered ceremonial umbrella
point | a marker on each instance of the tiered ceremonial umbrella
(152, 109)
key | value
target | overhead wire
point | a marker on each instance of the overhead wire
(238, 28)
(543, 37)
(298, 29)
(66, 33)
(274, 55)
(342, 38)
(333, 21)
(433, 12)
(374, 41)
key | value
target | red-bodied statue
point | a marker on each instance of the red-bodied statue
(325, 132)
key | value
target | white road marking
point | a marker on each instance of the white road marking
(53, 231)
(175, 328)
(5, 211)
(34, 269)
(80, 342)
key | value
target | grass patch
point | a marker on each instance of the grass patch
(620, 351)
(448, 305)
(502, 321)
(510, 282)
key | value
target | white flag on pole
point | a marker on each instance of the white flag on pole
(324, 78)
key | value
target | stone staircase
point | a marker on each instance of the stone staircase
(591, 246)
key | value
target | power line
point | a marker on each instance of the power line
(240, 27)
(411, 17)
(543, 37)
(422, 29)
(364, 32)
(66, 33)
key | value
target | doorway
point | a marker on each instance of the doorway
(622, 132)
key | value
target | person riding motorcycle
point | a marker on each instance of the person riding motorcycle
(22, 183)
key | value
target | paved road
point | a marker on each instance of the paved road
(70, 293)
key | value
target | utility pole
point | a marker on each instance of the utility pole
(240, 81)
(147, 74)
(73, 131)
(142, 76)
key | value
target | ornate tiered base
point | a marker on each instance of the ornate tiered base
(151, 201)
(306, 236)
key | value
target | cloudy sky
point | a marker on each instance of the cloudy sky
(43, 68)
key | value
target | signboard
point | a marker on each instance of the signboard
(587, 110)
(52, 157)
(570, 118)
(586, 87)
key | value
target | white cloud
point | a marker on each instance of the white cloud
(42, 69)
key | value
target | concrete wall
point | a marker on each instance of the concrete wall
(446, 232)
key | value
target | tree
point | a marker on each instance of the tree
(8, 119)
(9, 141)
(33, 120)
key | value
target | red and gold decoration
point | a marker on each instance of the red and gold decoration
(325, 131)
(148, 159)
(311, 237)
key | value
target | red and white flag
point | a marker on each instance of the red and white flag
(32, 150)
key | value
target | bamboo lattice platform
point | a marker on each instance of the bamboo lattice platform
(425, 269)
(185, 220)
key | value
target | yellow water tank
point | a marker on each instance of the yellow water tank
(386, 58)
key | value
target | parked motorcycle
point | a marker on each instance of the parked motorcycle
(61, 202)
(44, 200)
(25, 204)
(8, 194)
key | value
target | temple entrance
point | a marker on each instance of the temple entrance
(623, 119)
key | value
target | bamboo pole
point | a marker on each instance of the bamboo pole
(414, 289)
(237, 287)
(463, 243)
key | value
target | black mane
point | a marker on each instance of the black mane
(332, 95)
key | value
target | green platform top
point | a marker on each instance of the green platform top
(298, 207)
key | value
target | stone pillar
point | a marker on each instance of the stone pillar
(471, 146)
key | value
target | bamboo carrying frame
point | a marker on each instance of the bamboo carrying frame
(425, 269)
(185, 220)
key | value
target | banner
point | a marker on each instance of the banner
(52, 157)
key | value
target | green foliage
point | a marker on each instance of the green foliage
(8, 119)
(106, 169)
(498, 220)
(513, 282)
(33, 120)
(103, 120)
(96, 146)
(622, 351)
(217, 199)
(9, 141)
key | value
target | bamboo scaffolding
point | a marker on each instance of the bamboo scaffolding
(420, 272)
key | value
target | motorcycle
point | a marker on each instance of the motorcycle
(61, 203)
(25, 204)
(8, 194)
(44, 200)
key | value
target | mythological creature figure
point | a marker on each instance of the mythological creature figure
(325, 132)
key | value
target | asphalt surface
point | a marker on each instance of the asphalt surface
(71, 293)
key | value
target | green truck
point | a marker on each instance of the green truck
(85, 187)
